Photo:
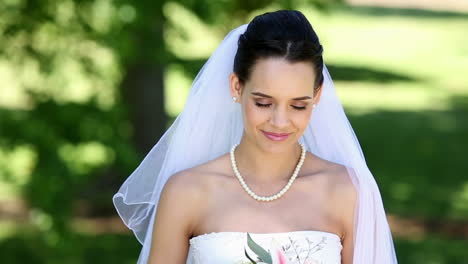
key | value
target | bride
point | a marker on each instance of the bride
(262, 155)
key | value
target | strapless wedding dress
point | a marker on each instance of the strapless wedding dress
(300, 247)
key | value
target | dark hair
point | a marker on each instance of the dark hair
(284, 33)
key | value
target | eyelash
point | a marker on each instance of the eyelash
(299, 108)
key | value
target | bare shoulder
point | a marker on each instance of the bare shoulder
(177, 209)
(333, 175)
(190, 181)
(182, 186)
(341, 183)
(184, 192)
(342, 197)
(194, 183)
(184, 200)
(198, 178)
(193, 186)
(340, 192)
(335, 178)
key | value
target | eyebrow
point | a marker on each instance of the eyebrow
(268, 96)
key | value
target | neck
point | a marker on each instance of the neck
(258, 166)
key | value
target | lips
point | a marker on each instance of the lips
(276, 136)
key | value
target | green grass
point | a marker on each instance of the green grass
(432, 250)
(76, 249)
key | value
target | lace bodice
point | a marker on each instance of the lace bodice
(300, 247)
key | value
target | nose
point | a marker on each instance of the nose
(279, 117)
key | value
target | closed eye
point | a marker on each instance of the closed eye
(299, 107)
(262, 105)
(295, 107)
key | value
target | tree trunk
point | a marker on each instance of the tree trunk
(143, 91)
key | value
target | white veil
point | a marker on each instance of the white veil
(217, 125)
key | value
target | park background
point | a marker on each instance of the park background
(88, 87)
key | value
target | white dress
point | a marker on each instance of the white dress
(300, 247)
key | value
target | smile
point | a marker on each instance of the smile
(276, 137)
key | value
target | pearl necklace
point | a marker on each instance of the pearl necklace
(272, 197)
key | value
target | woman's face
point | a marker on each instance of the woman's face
(277, 99)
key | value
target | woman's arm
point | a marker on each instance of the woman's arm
(175, 217)
(348, 223)
(345, 197)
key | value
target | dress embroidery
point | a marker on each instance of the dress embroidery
(296, 253)
(300, 247)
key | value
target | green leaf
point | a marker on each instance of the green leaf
(250, 258)
(257, 249)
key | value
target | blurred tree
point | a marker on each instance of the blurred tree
(91, 73)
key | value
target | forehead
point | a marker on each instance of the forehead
(279, 78)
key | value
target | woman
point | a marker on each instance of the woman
(280, 162)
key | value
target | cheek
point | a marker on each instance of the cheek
(301, 119)
(253, 115)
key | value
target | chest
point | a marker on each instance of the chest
(304, 206)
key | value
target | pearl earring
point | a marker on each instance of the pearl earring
(314, 105)
(234, 98)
